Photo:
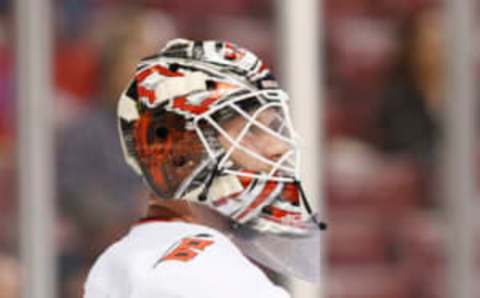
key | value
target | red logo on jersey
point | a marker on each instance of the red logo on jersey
(187, 248)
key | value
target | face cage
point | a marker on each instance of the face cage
(222, 157)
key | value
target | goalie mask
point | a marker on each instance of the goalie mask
(206, 122)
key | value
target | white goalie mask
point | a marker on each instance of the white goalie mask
(206, 122)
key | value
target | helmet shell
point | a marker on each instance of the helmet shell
(169, 90)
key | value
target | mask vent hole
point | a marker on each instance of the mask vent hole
(161, 132)
(211, 85)
(173, 67)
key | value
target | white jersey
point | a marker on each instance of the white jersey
(176, 260)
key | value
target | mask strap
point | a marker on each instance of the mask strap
(321, 225)
(202, 197)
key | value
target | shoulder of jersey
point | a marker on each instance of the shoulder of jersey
(159, 258)
(162, 246)
(179, 242)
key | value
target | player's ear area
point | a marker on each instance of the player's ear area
(166, 151)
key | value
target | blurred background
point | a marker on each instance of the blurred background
(384, 74)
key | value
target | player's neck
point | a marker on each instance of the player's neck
(172, 210)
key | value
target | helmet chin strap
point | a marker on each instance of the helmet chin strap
(202, 197)
(321, 225)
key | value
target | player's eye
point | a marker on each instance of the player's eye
(276, 124)
(256, 130)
